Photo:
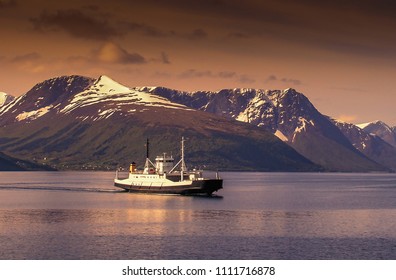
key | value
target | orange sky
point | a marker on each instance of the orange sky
(340, 55)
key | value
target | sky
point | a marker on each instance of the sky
(341, 54)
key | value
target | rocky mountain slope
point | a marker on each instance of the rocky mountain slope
(8, 163)
(382, 130)
(76, 122)
(369, 144)
(287, 114)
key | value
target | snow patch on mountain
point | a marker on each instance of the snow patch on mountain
(382, 130)
(361, 125)
(106, 113)
(301, 127)
(5, 98)
(10, 105)
(377, 124)
(32, 115)
(280, 135)
(107, 90)
(285, 110)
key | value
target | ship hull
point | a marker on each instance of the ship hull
(197, 187)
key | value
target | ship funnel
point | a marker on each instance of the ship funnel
(132, 167)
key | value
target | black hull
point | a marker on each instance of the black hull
(199, 187)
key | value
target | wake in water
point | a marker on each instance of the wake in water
(90, 190)
(56, 188)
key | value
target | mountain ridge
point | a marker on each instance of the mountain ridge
(77, 122)
(382, 130)
(371, 145)
(285, 113)
(99, 111)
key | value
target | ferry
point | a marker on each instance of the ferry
(165, 177)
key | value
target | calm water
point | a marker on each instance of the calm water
(80, 215)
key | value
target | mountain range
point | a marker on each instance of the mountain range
(369, 143)
(382, 130)
(293, 118)
(75, 122)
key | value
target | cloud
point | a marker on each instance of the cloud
(154, 32)
(165, 58)
(30, 62)
(271, 78)
(113, 53)
(193, 73)
(91, 7)
(246, 11)
(353, 89)
(347, 118)
(289, 81)
(29, 57)
(196, 34)
(161, 75)
(7, 3)
(227, 74)
(143, 29)
(76, 24)
(245, 79)
(238, 35)
(362, 28)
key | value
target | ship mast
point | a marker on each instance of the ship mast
(183, 164)
(147, 164)
(148, 161)
(183, 167)
(147, 148)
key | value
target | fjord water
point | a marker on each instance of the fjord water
(80, 215)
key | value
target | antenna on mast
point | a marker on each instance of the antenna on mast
(147, 164)
(147, 148)
(183, 167)
(183, 164)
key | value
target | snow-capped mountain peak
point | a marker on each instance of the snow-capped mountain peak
(5, 98)
(274, 110)
(44, 97)
(382, 130)
(97, 98)
(107, 85)
(106, 91)
(377, 124)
